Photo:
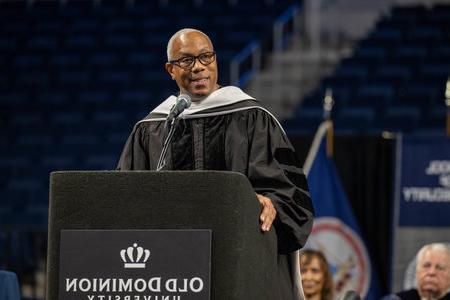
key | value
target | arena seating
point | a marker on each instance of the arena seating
(394, 81)
(76, 75)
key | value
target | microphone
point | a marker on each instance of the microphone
(183, 102)
(351, 295)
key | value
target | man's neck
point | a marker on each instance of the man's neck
(198, 98)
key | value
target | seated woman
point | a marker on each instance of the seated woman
(317, 280)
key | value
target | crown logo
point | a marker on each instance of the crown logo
(134, 257)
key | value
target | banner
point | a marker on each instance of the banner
(335, 231)
(422, 202)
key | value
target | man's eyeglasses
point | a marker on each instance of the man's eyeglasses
(187, 62)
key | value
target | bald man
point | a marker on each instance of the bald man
(226, 129)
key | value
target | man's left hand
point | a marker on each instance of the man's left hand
(268, 212)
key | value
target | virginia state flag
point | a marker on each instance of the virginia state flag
(335, 231)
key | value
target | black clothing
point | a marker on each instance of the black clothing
(241, 137)
(248, 141)
(413, 294)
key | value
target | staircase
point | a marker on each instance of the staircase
(329, 30)
(294, 73)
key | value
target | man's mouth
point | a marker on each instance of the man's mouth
(200, 81)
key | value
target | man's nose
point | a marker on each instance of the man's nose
(432, 270)
(198, 66)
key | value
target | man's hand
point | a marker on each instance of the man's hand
(268, 212)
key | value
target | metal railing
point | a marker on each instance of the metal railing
(252, 52)
(284, 27)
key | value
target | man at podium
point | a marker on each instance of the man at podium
(226, 129)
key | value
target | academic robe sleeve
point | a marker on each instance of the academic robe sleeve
(135, 155)
(275, 172)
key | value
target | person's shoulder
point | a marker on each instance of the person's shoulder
(413, 294)
(408, 294)
(147, 123)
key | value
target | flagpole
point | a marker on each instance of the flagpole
(328, 104)
(447, 103)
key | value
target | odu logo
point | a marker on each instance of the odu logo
(134, 257)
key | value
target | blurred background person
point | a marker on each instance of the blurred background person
(317, 280)
(432, 274)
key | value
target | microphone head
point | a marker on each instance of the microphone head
(351, 295)
(183, 101)
(186, 99)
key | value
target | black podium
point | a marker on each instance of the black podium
(243, 259)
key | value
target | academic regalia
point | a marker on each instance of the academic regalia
(229, 130)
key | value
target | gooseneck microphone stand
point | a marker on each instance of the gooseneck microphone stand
(162, 157)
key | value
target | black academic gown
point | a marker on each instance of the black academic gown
(241, 137)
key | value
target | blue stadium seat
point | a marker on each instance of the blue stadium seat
(94, 96)
(49, 99)
(58, 161)
(354, 119)
(396, 73)
(66, 59)
(439, 70)
(101, 162)
(35, 140)
(28, 60)
(15, 160)
(119, 138)
(82, 24)
(32, 79)
(115, 76)
(370, 53)
(411, 51)
(103, 59)
(375, 94)
(121, 25)
(352, 72)
(121, 41)
(43, 42)
(442, 51)
(79, 139)
(68, 118)
(137, 96)
(425, 34)
(26, 184)
(305, 120)
(49, 26)
(76, 77)
(27, 119)
(142, 58)
(387, 35)
(82, 41)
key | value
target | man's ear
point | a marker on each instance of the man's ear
(169, 69)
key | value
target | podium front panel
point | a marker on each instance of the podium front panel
(243, 259)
